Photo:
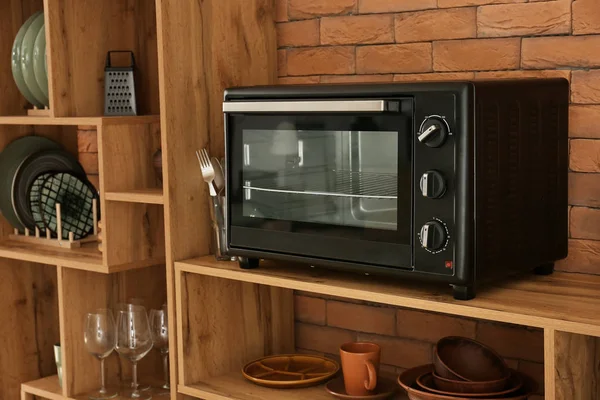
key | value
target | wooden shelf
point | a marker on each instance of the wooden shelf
(66, 121)
(235, 386)
(565, 302)
(145, 196)
(46, 388)
(86, 258)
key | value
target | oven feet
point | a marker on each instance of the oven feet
(545, 269)
(248, 263)
(463, 292)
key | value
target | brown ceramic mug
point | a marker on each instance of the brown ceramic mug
(360, 366)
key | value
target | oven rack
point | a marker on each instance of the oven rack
(337, 183)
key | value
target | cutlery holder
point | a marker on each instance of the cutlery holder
(219, 239)
(119, 87)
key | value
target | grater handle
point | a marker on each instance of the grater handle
(108, 59)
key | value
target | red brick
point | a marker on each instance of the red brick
(400, 352)
(298, 80)
(584, 257)
(310, 309)
(546, 18)
(87, 141)
(512, 363)
(387, 6)
(300, 9)
(476, 54)
(522, 74)
(281, 62)
(585, 223)
(436, 76)
(512, 341)
(322, 338)
(535, 371)
(463, 3)
(398, 58)
(431, 327)
(337, 60)
(585, 155)
(281, 13)
(585, 87)
(584, 189)
(561, 52)
(89, 162)
(356, 78)
(586, 17)
(298, 33)
(583, 122)
(358, 29)
(361, 318)
(424, 26)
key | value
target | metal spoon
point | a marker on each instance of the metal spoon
(219, 177)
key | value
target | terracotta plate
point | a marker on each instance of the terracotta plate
(408, 381)
(290, 370)
(384, 390)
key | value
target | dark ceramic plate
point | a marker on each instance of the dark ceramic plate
(75, 195)
(33, 166)
(10, 159)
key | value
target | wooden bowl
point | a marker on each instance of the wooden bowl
(429, 382)
(408, 381)
(463, 359)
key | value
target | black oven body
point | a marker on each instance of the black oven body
(455, 182)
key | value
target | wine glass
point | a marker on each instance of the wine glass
(134, 341)
(133, 301)
(159, 326)
(100, 339)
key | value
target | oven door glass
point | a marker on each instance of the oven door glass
(333, 186)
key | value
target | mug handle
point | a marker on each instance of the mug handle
(371, 384)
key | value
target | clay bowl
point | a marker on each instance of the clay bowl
(408, 381)
(463, 359)
(469, 389)
(451, 385)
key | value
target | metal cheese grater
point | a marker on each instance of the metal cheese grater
(119, 87)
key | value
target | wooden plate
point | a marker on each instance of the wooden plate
(290, 370)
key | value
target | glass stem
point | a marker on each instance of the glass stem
(136, 392)
(166, 368)
(102, 377)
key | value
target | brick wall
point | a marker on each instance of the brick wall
(324, 41)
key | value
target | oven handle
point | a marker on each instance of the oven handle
(311, 106)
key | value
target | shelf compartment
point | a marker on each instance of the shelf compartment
(144, 196)
(235, 386)
(47, 388)
(561, 301)
(76, 121)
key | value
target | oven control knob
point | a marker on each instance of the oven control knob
(433, 184)
(434, 131)
(433, 235)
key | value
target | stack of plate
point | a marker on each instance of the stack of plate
(28, 63)
(36, 175)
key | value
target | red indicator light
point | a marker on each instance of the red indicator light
(449, 264)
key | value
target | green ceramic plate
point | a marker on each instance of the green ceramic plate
(39, 61)
(10, 160)
(27, 59)
(16, 63)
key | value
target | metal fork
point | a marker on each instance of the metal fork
(208, 172)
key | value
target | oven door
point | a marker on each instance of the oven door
(327, 180)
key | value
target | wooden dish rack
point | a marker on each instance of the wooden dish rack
(48, 240)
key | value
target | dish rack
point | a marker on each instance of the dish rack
(36, 238)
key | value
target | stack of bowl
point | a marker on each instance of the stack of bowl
(465, 369)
